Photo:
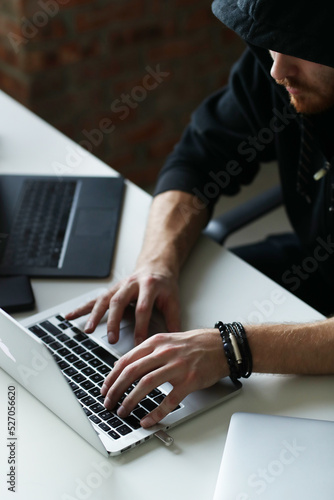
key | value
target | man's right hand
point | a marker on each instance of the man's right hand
(147, 288)
(169, 237)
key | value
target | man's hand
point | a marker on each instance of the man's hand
(168, 240)
(145, 287)
(195, 360)
(187, 360)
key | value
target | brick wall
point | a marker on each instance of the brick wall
(120, 77)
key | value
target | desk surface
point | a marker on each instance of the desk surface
(53, 462)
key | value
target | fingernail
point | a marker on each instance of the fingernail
(89, 326)
(104, 389)
(147, 422)
(121, 412)
(106, 402)
(111, 337)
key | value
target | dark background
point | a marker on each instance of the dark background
(121, 77)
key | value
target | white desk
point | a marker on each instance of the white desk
(54, 463)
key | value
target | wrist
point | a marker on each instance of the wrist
(160, 261)
(169, 234)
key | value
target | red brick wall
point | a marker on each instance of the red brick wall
(121, 77)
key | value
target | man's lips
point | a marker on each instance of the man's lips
(293, 90)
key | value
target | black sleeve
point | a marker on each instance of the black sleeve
(226, 139)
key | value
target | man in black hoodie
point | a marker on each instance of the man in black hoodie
(278, 105)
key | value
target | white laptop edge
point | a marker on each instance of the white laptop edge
(276, 457)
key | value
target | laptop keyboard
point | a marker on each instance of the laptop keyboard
(40, 222)
(85, 364)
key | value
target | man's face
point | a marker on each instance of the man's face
(310, 85)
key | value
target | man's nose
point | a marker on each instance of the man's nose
(283, 66)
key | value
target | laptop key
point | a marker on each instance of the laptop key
(48, 339)
(114, 434)
(89, 344)
(87, 411)
(62, 337)
(95, 419)
(86, 356)
(132, 421)
(80, 364)
(96, 378)
(79, 378)
(114, 422)
(104, 369)
(95, 391)
(71, 343)
(50, 328)
(74, 386)
(124, 430)
(140, 413)
(55, 345)
(80, 394)
(62, 326)
(70, 371)
(71, 384)
(87, 384)
(79, 336)
(155, 392)
(88, 401)
(71, 358)
(97, 408)
(63, 352)
(63, 365)
(95, 362)
(57, 359)
(106, 356)
(79, 349)
(106, 414)
(104, 426)
(88, 371)
(37, 331)
(159, 399)
(148, 404)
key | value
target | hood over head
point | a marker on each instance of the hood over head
(298, 28)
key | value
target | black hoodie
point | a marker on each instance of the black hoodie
(250, 121)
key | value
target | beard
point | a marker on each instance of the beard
(309, 100)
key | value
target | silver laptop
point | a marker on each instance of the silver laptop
(64, 368)
(275, 458)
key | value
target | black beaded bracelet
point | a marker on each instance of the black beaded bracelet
(236, 348)
(229, 351)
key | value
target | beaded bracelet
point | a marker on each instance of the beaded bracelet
(236, 348)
